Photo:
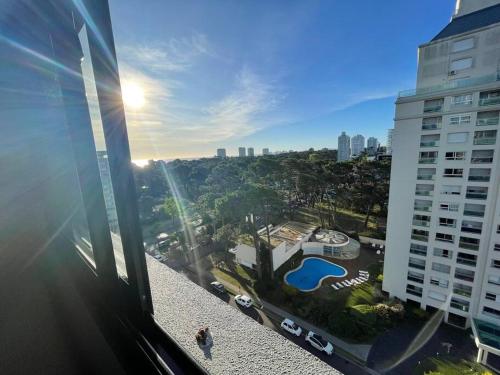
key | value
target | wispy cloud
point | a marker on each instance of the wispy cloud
(174, 55)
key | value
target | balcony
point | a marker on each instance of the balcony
(421, 223)
(481, 160)
(479, 178)
(426, 177)
(489, 100)
(427, 160)
(415, 290)
(474, 213)
(467, 262)
(452, 85)
(419, 237)
(415, 279)
(435, 126)
(484, 141)
(423, 208)
(485, 137)
(429, 144)
(468, 245)
(433, 108)
(463, 306)
(462, 290)
(424, 193)
(464, 275)
(488, 118)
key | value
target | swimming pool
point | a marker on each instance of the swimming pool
(311, 272)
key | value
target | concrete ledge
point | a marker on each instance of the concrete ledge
(240, 344)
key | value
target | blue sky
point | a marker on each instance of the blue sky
(277, 74)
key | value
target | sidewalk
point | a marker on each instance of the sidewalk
(359, 351)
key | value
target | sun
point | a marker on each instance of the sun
(133, 95)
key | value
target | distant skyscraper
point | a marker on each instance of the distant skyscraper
(344, 147)
(389, 141)
(372, 146)
(250, 151)
(357, 145)
(265, 151)
(242, 152)
(221, 152)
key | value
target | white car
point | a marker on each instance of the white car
(319, 343)
(291, 327)
(243, 300)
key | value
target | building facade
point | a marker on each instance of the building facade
(242, 152)
(221, 152)
(265, 151)
(443, 234)
(344, 147)
(357, 145)
(250, 151)
(372, 146)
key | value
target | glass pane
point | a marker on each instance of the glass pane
(101, 152)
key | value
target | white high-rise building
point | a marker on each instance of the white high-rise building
(250, 151)
(344, 147)
(265, 151)
(443, 234)
(389, 141)
(357, 145)
(242, 152)
(372, 145)
(221, 152)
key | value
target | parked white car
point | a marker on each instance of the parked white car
(291, 327)
(243, 300)
(319, 343)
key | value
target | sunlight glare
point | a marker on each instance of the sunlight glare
(133, 95)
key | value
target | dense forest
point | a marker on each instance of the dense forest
(225, 193)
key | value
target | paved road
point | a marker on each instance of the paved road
(273, 321)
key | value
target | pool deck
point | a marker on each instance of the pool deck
(320, 281)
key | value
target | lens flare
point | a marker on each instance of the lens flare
(133, 95)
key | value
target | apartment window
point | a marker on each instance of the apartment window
(451, 190)
(488, 118)
(494, 279)
(415, 277)
(470, 226)
(496, 247)
(495, 263)
(467, 259)
(498, 228)
(424, 190)
(489, 98)
(476, 192)
(462, 45)
(460, 64)
(443, 237)
(428, 157)
(421, 220)
(430, 140)
(439, 267)
(482, 156)
(434, 105)
(455, 155)
(462, 289)
(422, 205)
(431, 123)
(485, 137)
(452, 207)
(426, 174)
(413, 289)
(479, 174)
(418, 249)
(447, 222)
(471, 209)
(437, 296)
(442, 283)
(453, 172)
(464, 119)
(416, 263)
(492, 297)
(457, 137)
(463, 274)
(491, 312)
(419, 235)
(469, 243)
(443, 253)
(461, 100)
(459, 304)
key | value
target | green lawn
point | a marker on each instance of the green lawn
(450, 366)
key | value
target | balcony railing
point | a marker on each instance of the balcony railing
(424, 193)
(427, 177)
(427, 160)
(481, 196)
(414, 292)
(462, 292)
(421, 223)
(429, 144)
(485, 141)
(479, 178)
(431, 126)
(462, 83)
(419, 237)
(415, 279)
(474, 213)
(423, 208)
(491, 121)
(459, 306)
(489, 101)
(464, 276)
(468, 245)
(485, 160)
(433, 108)
(471, 230)
(467, 262)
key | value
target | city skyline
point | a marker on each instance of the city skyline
(203, 86)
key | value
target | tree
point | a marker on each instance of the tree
(170, 208)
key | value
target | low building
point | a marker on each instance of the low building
(245, 255)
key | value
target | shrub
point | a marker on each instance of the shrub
(365, 314)
(380, 278)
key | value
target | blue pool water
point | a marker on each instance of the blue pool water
(311, 272)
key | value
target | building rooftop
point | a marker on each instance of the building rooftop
(291, 233)
(472, 21)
